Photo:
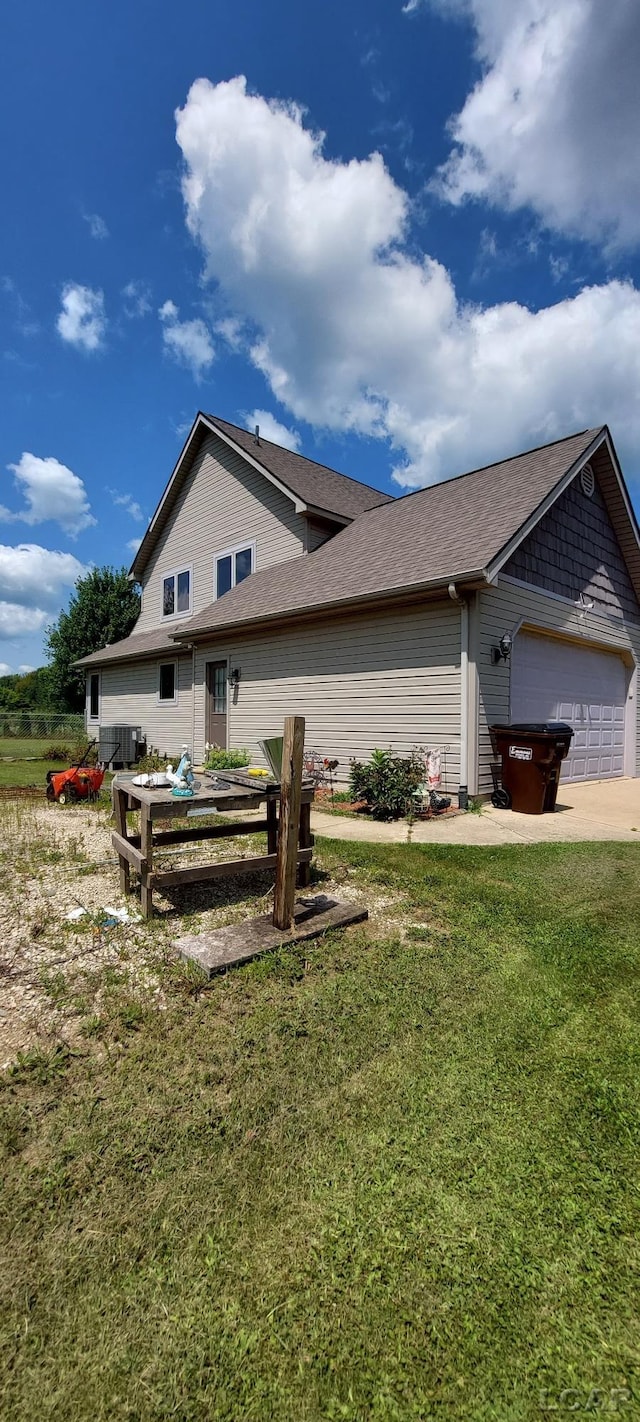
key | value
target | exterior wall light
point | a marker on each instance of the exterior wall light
(234, 676)
(502, 652)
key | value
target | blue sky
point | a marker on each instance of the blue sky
(407, 236)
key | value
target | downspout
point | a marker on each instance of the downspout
(193, 701)
(463, 792)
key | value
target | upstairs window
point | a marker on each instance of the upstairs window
(176, 593)
(232, 567)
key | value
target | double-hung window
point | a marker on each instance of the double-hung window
(176, 593)
(232, 566)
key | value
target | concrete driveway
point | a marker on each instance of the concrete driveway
(602, 809)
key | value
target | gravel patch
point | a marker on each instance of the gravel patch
(55, 972)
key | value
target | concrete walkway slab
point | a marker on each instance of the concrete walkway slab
(599, 810)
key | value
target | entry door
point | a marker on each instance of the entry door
(561, 681)
(216, 709)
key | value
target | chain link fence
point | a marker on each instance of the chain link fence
(37, 725)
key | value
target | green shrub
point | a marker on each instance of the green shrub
(387, 783)
(153, 761)
(77, 753)
(57, 752)
(226, 760)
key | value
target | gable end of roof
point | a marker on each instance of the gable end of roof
(313, 488)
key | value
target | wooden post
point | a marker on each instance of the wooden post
(120, 813)
(306, 841)
(146, 845)
(272, 825)
(289, 825)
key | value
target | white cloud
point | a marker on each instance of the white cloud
(5, 669)
(32, 580)
(133, 545)
(82, 321)
(231, 330)
(189, 342)
(270, 428)
(97, 226)
(353, 333)
(52, 492)
(137, 299)
(554, 121)
(25, 668)
(17, 621)
(127, 501)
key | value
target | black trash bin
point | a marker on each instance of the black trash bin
(531, 754)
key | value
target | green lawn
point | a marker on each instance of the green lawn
(28, 772)
(393, 1175)
(26, 747)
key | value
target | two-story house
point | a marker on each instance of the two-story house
(273, 585)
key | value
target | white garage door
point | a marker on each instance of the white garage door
(557, 681)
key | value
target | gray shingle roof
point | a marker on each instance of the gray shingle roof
(139, 644)
(315, 484)
(446, 532)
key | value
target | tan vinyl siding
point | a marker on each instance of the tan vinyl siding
(224, 503)
(509, 606)
(389, 679)
(129, 697)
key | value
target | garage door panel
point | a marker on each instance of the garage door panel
(553, 680)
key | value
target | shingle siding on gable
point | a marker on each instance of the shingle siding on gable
(574, 549)
(223, 503)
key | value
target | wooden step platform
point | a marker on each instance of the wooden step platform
(237, 943)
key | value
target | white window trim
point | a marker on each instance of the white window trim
(168, 700)
(229, 553)
(174, 573)
(94, 720)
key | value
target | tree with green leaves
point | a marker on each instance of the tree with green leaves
(26, 690)
(103, 608)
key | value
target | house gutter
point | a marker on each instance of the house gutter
(392, 597)
(463, 791)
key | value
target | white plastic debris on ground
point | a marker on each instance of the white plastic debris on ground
(108, 913)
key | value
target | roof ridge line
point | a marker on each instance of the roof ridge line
(361, 483)
(493, 464)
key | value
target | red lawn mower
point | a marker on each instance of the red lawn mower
(79, 782)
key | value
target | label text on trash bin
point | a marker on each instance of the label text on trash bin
(521, 752)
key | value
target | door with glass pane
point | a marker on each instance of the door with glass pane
(216, 704)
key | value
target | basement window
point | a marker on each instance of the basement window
(232, 567)
(167, 682)
(176, 593)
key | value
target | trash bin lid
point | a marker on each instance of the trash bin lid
(557, 729)
(545, 728)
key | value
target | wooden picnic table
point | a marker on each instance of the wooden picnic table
(237, 792)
